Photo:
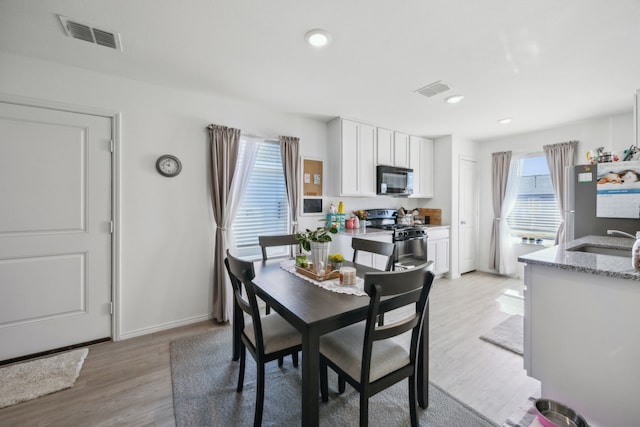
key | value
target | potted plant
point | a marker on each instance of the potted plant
(317, 242)
(336, 261)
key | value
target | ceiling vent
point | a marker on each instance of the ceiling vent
(433, 89)
(89, 34)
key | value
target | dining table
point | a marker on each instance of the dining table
(315, 311)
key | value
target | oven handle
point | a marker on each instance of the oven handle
(412, 238)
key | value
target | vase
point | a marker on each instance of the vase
(319, 257)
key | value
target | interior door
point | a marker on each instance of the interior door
(468, 205)
(55, 230)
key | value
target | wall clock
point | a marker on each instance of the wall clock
(168, 165)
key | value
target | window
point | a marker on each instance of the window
(264, 208)
(536, 212)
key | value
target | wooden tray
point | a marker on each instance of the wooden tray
(327, 276)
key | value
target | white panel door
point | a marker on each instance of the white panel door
(468, 204)
(55, 237)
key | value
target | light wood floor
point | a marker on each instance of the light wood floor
(129, 382)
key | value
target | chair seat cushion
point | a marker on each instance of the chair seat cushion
(277, 333)
(344, 348)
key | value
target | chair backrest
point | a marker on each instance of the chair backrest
(374, 246)
(402, 289)
(275, 240)
(241, 274)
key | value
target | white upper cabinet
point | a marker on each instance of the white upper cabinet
(385, 146)
(352, 152)
(421, 161)
(400, 149)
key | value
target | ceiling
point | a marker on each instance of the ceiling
(543, 62)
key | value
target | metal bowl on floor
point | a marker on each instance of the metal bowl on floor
(555, 414)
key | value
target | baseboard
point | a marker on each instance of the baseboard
(164, 326)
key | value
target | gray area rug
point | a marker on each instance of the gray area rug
(27, 380)
(508, 334)
(204, 393)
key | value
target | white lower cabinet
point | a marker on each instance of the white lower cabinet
(438, 249)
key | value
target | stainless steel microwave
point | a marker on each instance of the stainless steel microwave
(394, 181)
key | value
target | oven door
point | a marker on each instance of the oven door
(411, 252)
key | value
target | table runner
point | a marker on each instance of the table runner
(332, 285)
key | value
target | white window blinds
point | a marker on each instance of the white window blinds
(536, 212)
(264, 208)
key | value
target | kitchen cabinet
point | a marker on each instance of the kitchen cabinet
(438, 249)
(384, 146)
(352, 153)
(421, 161)
(400, 149)
(392, 148)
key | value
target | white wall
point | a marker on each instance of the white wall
(166, 224)
(614, 133)
(448, 150)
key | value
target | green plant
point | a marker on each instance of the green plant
(320, 234)
(336, 258)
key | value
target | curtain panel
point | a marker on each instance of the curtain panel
(559, 156)
(500, 173)
(224, 146)
(289, 148)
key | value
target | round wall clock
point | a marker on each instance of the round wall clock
(168, 165)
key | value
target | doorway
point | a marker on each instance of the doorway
(468, 215)
(55, 228)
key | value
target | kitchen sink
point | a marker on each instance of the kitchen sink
(602, 250)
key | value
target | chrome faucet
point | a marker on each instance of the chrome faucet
(622, 233)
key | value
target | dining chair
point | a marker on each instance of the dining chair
(275, 240)
(380, 361)
(266, 337)
(376, 247)
(270, 241)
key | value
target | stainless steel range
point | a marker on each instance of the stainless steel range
(410, 240)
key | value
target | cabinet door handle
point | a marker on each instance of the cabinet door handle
(463, 222)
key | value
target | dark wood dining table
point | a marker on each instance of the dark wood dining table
(315, 311)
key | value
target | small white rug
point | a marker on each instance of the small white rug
(28, 380)
(508, 334)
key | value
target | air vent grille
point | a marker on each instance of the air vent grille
(90, 34)
(433, 89)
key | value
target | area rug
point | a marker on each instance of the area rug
(28, 380)
(508, 334)
(204, 393)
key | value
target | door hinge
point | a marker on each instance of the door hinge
(112, 146)
(111, 307)
(111, 226)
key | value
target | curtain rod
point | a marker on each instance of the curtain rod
(260, 136)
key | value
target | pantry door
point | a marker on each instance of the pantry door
(55, 229)
(468, 215)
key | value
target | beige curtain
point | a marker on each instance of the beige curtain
(224, 145)
(500, 175)
(289, 147)
(559, 156)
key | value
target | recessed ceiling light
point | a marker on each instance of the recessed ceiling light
(318, 37)
(505, 121)
(454, 99)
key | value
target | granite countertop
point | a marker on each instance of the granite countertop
(565, 257)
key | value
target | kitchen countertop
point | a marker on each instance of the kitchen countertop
(364, 231)
(561, 256)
